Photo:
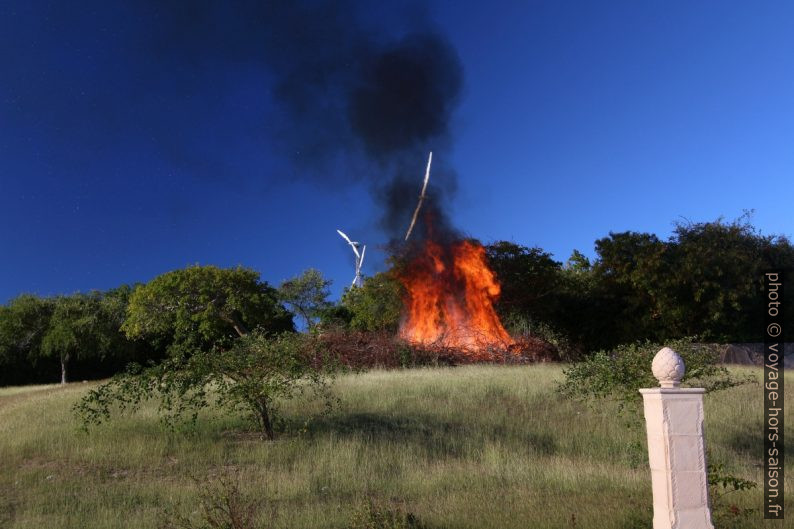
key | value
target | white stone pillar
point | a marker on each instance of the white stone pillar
(676, 450)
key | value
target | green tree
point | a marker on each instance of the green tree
(196, 308)
(715, 281)
(23, 324)
(75, 330)
(377, 305)
(578, 263)
(65, 329)
(307, 294)
(113, 312)
(628, 263)
(530, 281)
(257, 373)
(706, 280)
(334, 317)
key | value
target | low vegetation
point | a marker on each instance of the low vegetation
(457, 448)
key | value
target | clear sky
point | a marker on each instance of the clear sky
(136, 139)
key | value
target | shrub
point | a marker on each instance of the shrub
(526, 330)
(374, 515)
(620, 373)
(721, 484)
(254, 375)
(222, 506)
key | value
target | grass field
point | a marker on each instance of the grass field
(467, 447)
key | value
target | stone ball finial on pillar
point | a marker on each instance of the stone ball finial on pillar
(668, 368)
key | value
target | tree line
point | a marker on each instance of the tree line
(705, 280)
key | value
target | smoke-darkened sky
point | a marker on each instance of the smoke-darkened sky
(137, 137)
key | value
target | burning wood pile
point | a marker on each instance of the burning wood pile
(450, 293)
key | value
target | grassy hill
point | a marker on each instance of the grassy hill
(468, 447)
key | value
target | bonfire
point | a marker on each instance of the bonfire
(449, 300)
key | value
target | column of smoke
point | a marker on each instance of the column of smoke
(352, 95)
(356, 97)
(378, 102)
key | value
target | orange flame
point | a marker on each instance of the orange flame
(449, 299)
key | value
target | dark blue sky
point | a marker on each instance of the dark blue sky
(135, 139)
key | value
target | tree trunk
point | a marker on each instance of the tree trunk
(237, 325)
(64, 366)
(264, 418)
(241, 330)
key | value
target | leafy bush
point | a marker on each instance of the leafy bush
(377, 305)
(253, 375)
(374, 515)
(619, 374)
(721, 484)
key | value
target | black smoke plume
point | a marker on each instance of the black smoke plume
(352, 92)
(355, 88)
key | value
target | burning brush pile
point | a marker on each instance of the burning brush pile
(449, 297)
(448, 313)
(449, 305)
(448, 316)
(450, 293)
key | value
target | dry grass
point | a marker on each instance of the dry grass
(466, 447)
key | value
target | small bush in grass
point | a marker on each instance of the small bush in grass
(375, 515)
(722, 484)
(221, 506)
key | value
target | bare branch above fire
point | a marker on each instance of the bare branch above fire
(421, 197)
(357, 280)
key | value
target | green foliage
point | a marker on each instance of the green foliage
(529, 278)
(260, 371)
(307, 294)
(375, 515)
(578, 263)
(706, 280)
(199, 307)
(256, 374)
(335, 317)
(377, 305)
(721, 484)
(716, 277)
(66, 329)
(23, 324)
(627, 264)
(79, 327)
(619, 374)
